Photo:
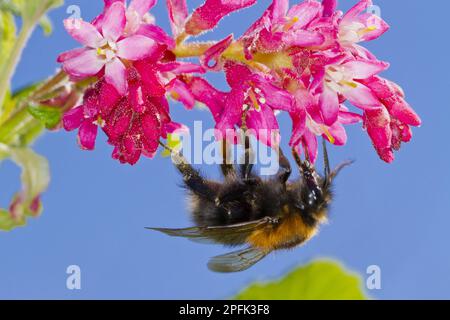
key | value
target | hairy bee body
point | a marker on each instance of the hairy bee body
(238, 201)
(263, 214)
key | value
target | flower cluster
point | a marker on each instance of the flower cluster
(305, 60)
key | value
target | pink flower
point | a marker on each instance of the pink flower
(211, 12)
(390, 125)
(106, 49)
(253, 94)
(357, 25)
(97, 101)
(178, 14)
(342, 78)
(134, 123)
(308, 123)
(279, 28)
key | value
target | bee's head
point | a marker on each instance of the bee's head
(315, 188)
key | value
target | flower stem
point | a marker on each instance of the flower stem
(14, 58)
(190, 50)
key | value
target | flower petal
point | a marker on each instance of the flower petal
(180, 91)
(178, 13)
(278, 10)
(362, 97)
(70, 54)
(85, 64)
(364, 69)
(264, 125)
(115, 74)
(232, 115)
(357, 9)
(210, 96)
(276, 98)
(156, 33)
(378, 127)
(141, 7)
(211, 59)
(303, 38)
(337, 131)
(135, 47)
(87, 135)
(304, 13)
(329, 7)
(114, 21)
(73, 118)
(311, 146)
(329, 106)
(84, 32)
(237, 74)
(179, 68)
(211, 12)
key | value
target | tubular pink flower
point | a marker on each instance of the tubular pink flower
(279, 28)
(308, 123)
(342, 79)
(211, 12)
(357, 26)
(97, 101)
(178, 14)
(205, 93)
(390, 125)
(251, 94)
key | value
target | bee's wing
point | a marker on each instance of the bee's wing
(236, 261)
(230, 235)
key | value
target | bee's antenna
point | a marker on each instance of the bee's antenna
(326, 161)
(338, 169)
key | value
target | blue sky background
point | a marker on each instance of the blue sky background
(395, 216)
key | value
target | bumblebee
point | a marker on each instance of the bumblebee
(264, 215)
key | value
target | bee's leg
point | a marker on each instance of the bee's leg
(326, 161)
(226, 167)
(285, 167)
(191, 177)
(247, 167)
(309, 174)
(297, 158)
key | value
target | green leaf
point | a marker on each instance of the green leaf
(49, 116)
(35, 180)
(319, 280)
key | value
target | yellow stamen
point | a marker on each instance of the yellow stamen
(328, 134)
(100, 52)
(290, 23)
(367, 30)
(174, 95)
(252, 96)
(351, 84)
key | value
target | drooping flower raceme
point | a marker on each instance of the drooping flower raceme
(305, 60)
